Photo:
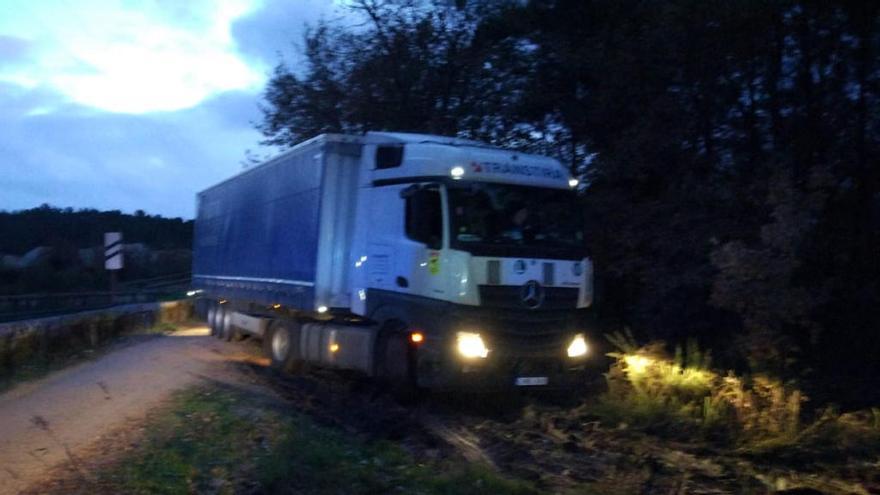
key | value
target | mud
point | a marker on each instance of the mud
(559, 447)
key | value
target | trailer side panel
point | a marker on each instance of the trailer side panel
(256, 235)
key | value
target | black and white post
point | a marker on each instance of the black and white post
(113, 256)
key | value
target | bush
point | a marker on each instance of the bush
(681, 396)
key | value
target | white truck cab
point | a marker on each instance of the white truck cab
(496, 235)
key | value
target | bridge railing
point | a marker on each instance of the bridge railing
(30, 306)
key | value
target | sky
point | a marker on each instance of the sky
(136, 104)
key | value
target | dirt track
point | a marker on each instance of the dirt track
(47, 422)
(60, 427)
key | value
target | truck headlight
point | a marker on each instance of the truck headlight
(470, 345)
(578, 347)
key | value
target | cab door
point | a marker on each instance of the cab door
(420, 261)
(400, 242)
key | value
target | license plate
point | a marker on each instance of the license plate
(531, 381)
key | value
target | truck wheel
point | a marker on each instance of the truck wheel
(224, 327)
(395, 369)
(212, 313)
(280, 345)
(217, 321)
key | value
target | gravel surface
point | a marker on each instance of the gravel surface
(50, 421)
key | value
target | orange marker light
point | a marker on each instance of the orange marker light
(334, 347)
(416, 337)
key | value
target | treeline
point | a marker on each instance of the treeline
(21, 231)
(729, 151)
(74, 258)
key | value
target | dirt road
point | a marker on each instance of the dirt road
(61, 427)
(46, 422)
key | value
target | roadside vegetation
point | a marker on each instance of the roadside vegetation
(681, 397)
(216, 439)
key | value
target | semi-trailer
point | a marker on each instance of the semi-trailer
(423, 260)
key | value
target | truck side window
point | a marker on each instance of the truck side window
(424, 217)
(389, 156)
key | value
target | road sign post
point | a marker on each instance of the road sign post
(113, 256)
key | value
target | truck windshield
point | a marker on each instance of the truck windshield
(487, 216)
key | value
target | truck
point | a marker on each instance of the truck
(427, 262)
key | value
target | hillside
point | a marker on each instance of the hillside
(21, 231)
(49, 249)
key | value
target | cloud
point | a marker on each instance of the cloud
(76, 156)
(110, 106)
(277, 28)
(13, 49)
(161, 56)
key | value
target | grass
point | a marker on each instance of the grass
(220, 440)
(682, 397)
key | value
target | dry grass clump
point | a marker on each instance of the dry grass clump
(681, 396)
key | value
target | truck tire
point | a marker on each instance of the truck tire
(395, 368)
(211, 318)
(281, 344)
(224, 328)
(217, 321)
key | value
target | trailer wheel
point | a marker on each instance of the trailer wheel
(212, 313)
(280, 344)
(224, 328)
(217, 321)
(395, 369)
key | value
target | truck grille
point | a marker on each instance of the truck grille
(509, 297)
(528, 332)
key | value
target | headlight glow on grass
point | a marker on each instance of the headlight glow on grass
(578, 347)
(637, 364)
(470, 345)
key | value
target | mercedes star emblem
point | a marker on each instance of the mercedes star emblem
(531, 294)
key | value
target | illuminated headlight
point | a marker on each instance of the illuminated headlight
(470, 345)
(578, 347)
(457, 172)
(573, 182)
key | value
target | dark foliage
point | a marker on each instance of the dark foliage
(21, 231)
(73, 261)
(729, 150)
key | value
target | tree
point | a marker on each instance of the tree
(412, 66)
(729, 150)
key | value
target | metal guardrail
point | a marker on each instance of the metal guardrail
(28, 306)
(170, 280)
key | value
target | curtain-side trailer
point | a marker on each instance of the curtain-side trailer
(424, 260)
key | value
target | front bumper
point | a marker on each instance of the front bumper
(440, 367)
(522, 344)
(525, 373)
